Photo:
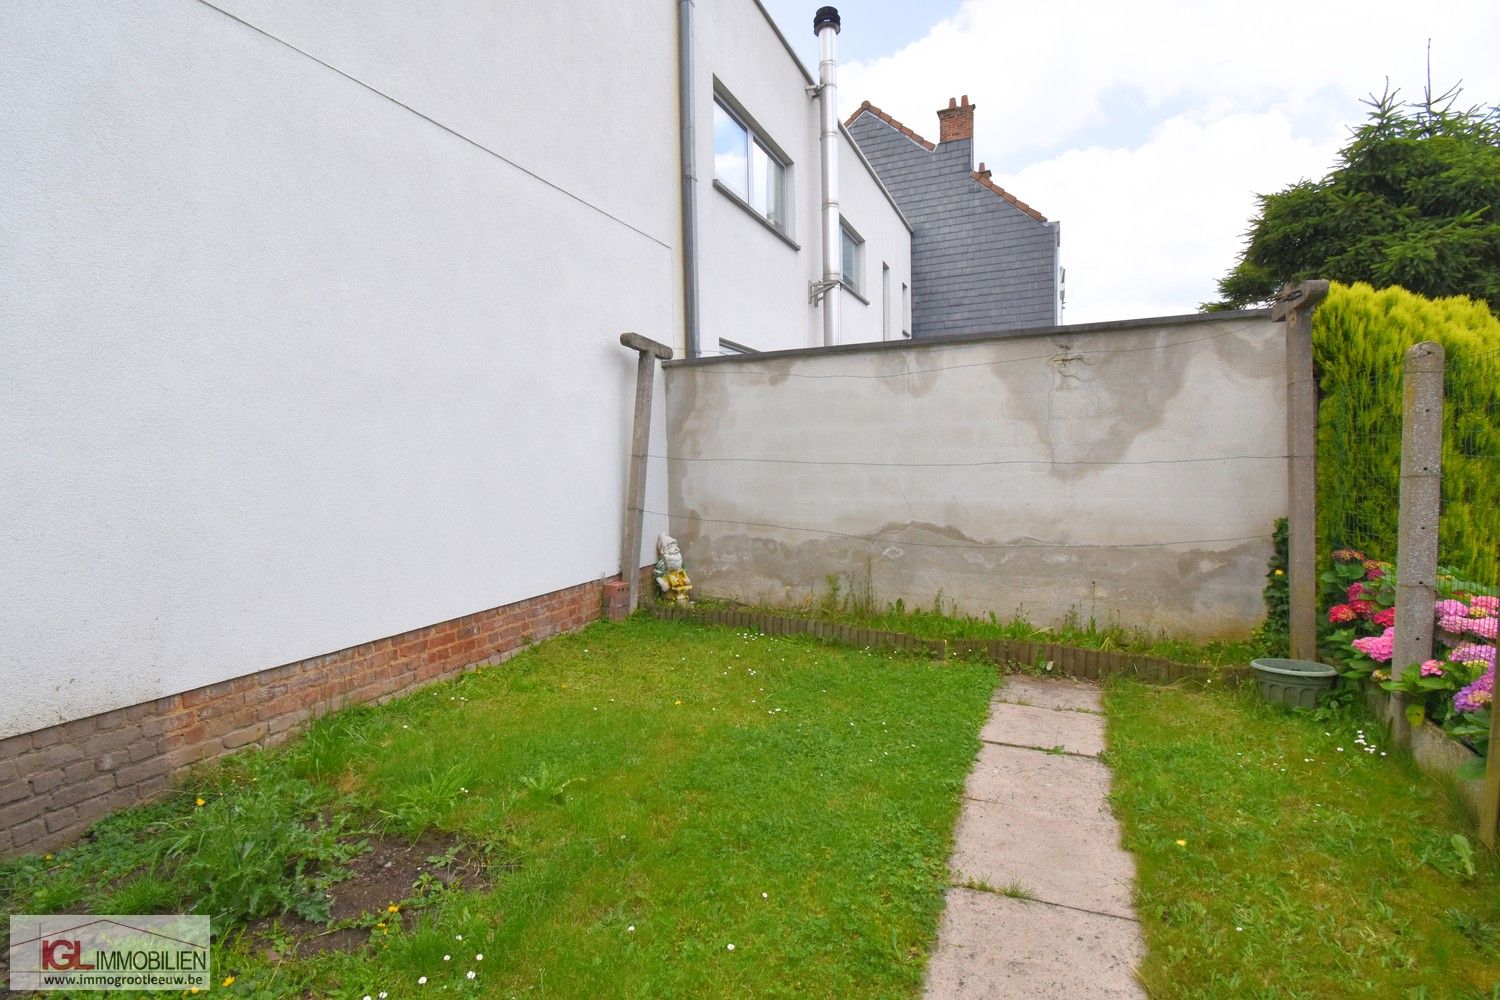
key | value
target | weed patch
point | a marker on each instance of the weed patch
(945, 622)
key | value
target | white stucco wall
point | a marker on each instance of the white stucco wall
(865, 206)
(753, 283)
(1131, 474)
(288, 367)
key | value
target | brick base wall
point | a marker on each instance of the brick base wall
(54, 782)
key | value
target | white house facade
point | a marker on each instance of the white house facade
(748, 83)
(310, 323)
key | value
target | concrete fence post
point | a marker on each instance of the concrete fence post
(1295, 306)
(1489, 801)
(635, 491)
(1417, 533)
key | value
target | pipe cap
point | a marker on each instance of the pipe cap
(826, 17)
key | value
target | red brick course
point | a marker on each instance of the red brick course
(55, 782)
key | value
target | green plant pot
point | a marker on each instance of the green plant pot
(1293, 683)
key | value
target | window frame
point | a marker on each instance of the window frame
(849, 233)
(885, 300)
(778, 217)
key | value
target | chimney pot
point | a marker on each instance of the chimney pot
(956, 121)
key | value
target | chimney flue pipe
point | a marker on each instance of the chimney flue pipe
(826, 25)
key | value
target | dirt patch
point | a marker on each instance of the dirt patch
(391, 872)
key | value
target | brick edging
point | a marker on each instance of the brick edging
(56, 781)
(1067, 661)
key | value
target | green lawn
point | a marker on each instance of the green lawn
(645, 796)
(1305, 871)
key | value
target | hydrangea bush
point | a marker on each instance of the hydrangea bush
(1455, 689)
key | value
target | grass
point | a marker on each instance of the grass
(838, 604)
(1011, 890)
(647, 795)
(1273, 864)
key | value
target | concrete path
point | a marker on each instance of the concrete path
(1036, 822)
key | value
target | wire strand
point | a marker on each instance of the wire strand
(431, 120)
(941, 545)
(976, 465)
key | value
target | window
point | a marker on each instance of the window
(853, 256)
(885, 301)
(745, 164)
(727, 347)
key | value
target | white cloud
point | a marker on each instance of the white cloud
(1147, 128)
(1147, 231)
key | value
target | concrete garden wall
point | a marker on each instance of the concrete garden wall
(1127, 472)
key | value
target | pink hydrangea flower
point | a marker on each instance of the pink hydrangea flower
(1488, 605)
(1378, 647)
(1454, 623)
(1432, 668)
(1450, 608)
(1356, 591)
(1341, 613)
(1384, 617)
(1476, 695)
(1485, 628)
(1469, 652)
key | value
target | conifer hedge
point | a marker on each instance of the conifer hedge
(1360, 338)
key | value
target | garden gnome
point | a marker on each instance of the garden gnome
(670, 576)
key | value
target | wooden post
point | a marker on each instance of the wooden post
(1295, 305)
(640, 439)
(1417, 533)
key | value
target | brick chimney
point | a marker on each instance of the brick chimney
(983, 173)
(956, 121)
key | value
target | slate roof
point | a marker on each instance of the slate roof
(866, 107)
(983, 261)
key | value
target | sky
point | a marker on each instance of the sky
(1146, 129)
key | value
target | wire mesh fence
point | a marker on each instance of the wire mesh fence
(1359, 463)
(1469, 541)
(1359, 459)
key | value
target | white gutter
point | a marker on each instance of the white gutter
(687, 145)
(826, 26)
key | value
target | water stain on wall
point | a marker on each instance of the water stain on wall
(1084, 472)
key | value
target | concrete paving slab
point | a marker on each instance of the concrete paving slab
(994, 948)
(1048, 784)
(1044, 728)
(1047, 692)
(1073, 860)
